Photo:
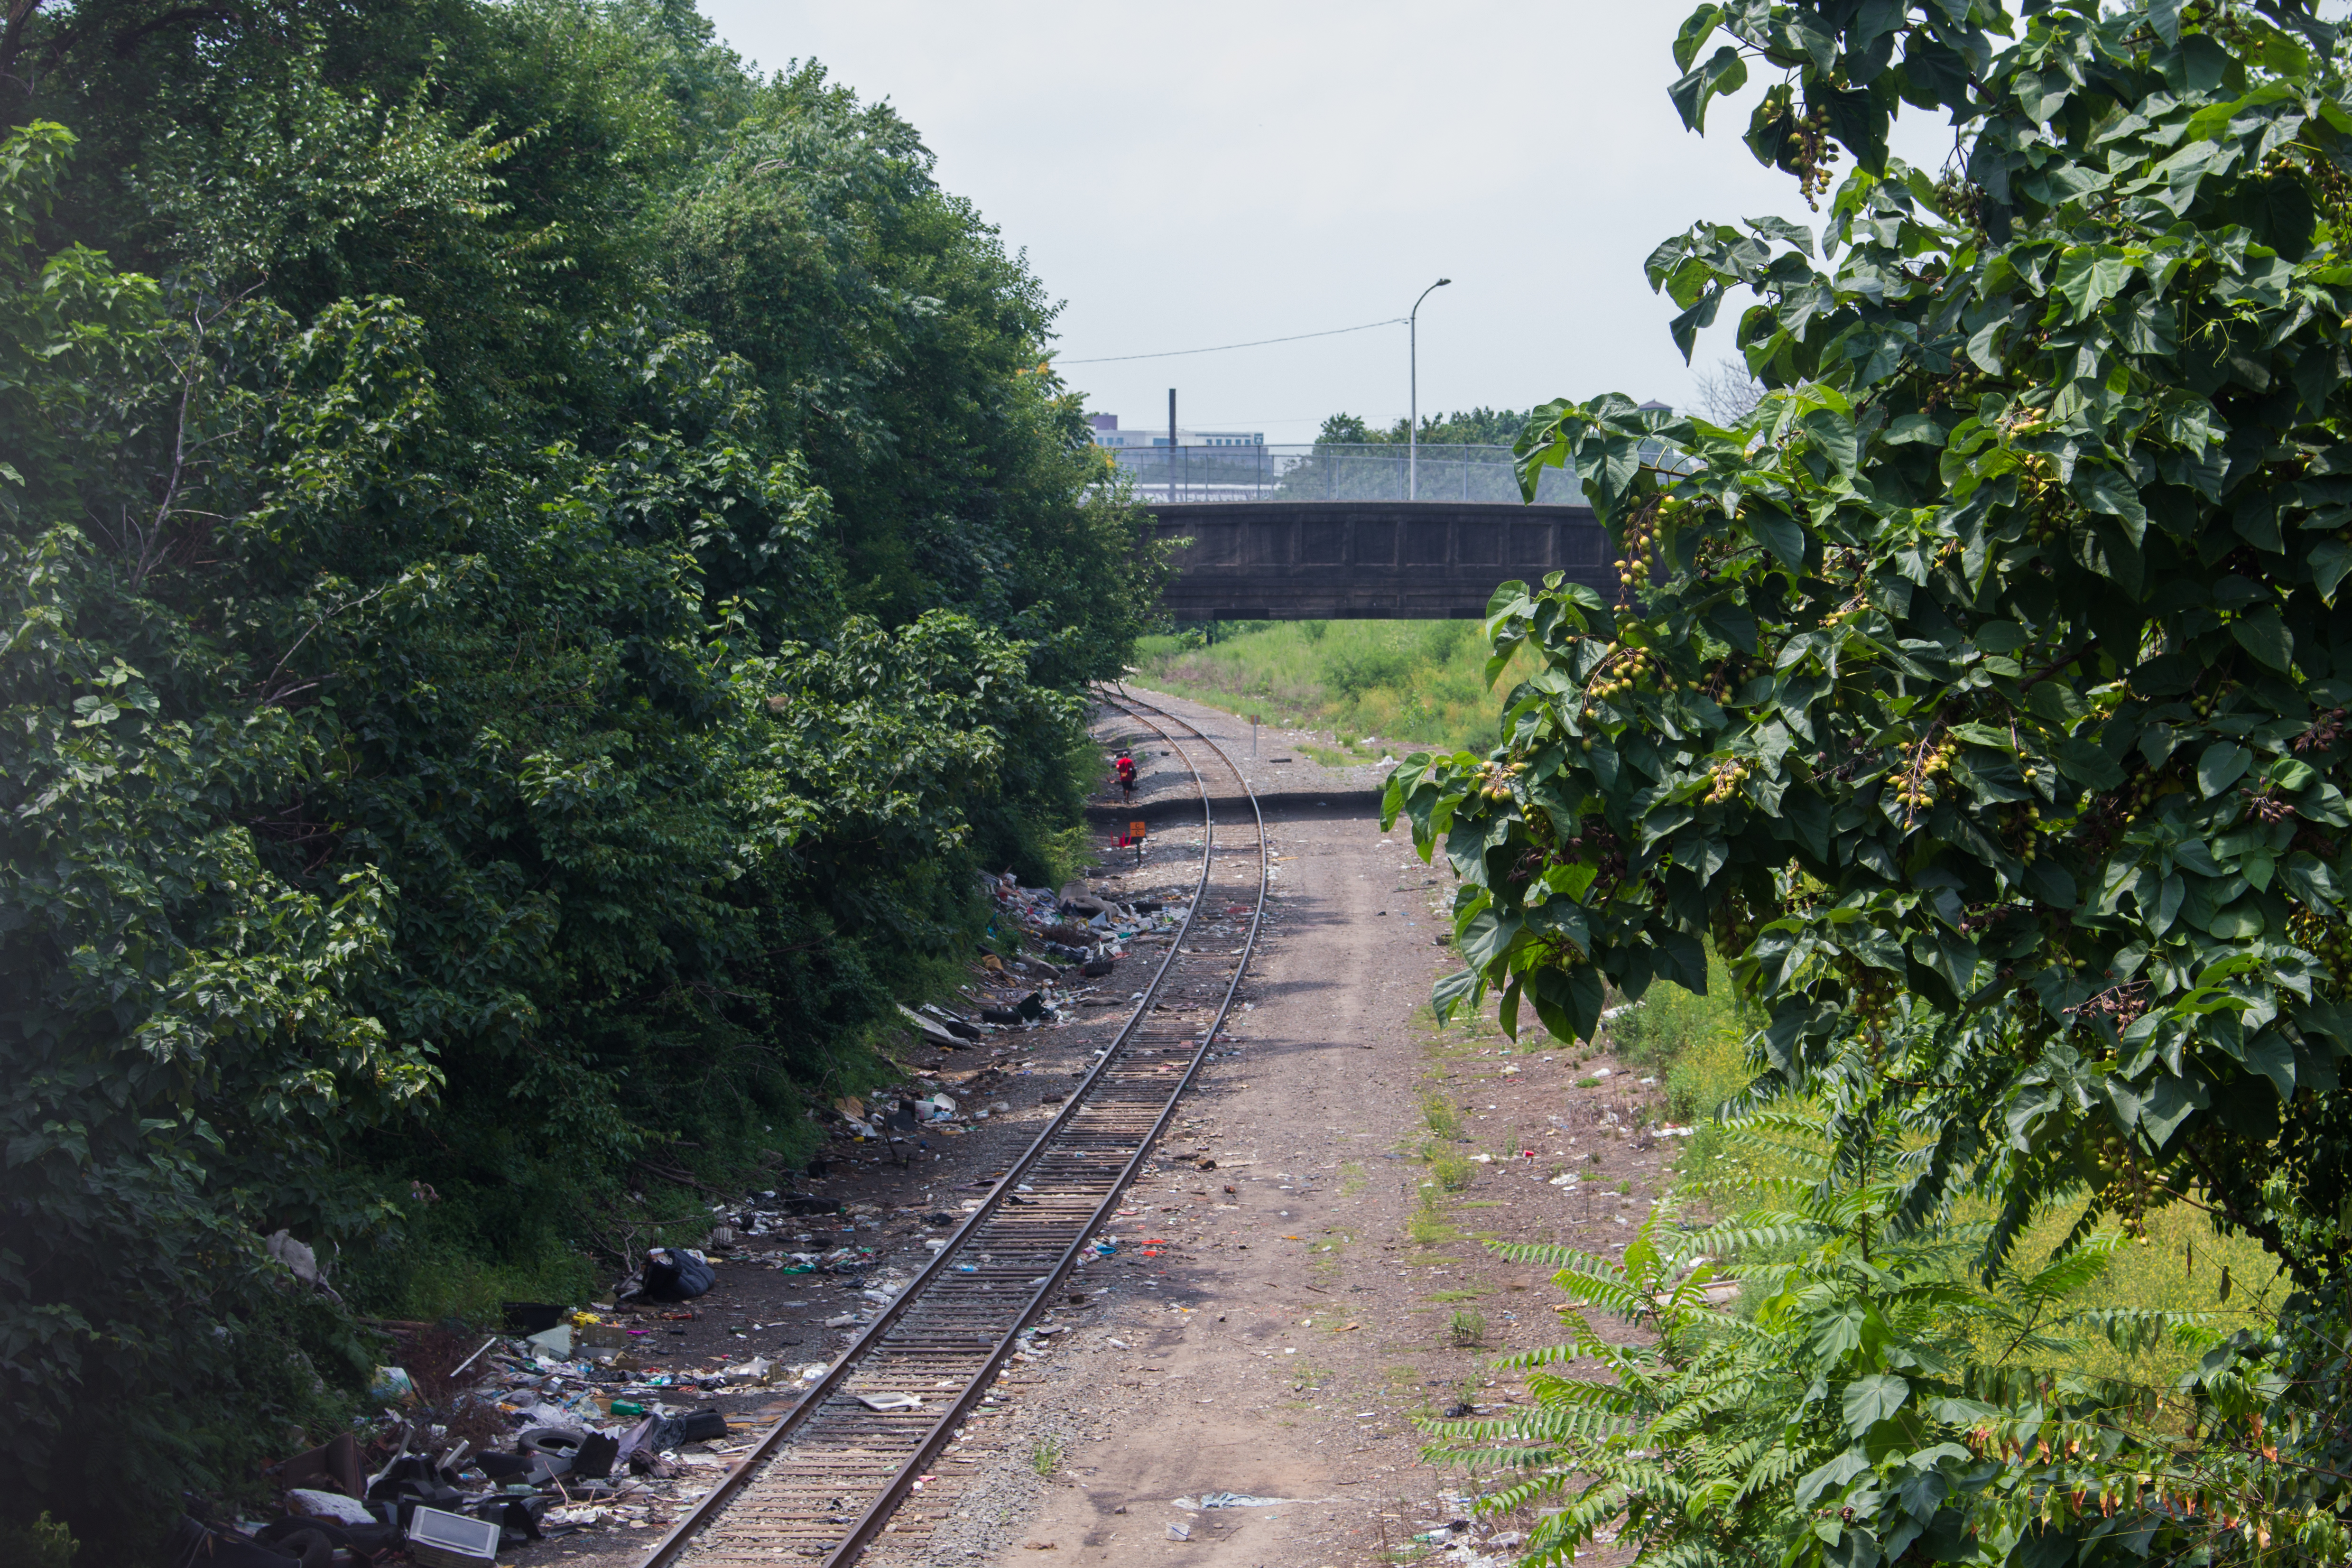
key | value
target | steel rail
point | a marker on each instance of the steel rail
(1084, 1167)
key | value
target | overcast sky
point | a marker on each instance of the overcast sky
(1221, 173)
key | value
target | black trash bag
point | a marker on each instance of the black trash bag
(516, 1517)
(638, 1441)
(409, 1483)
(307, 1539)
(805, 1204)
(1028, 1010)
(503, 1466)
(656, 1434)
(594, 1461)
(196, 1544)
(447, 1500)
(411, 1475)
(533, 1316)
(677, 1274)
(364, 1542)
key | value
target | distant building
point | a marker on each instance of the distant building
(1108, 434)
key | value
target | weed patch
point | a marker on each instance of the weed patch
(1407, 683)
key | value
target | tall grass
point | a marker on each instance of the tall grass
(1410, 683)
(2177, 1263)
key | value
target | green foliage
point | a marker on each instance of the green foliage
(1404, 680)
(521, 624)
(1480, 427)
(902, 350)
(1672, 1022)
(1860, 1370)
(1997, 678)
(44, 1543)
(1996, 660)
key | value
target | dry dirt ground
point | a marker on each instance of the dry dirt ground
(1319, 1289)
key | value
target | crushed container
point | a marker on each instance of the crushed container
(439, 1540)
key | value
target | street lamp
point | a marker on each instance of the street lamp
(1413, 409)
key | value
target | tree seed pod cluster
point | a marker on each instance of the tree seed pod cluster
(2025, 821)
(1933, 762)
(1870, 998)
(1641, 543)
(1811, 153)
(1728, 774)
(1495, 779)
(2137, 797)
(1633, 666)
(2329, 940)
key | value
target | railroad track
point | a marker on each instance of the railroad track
(827, 1479)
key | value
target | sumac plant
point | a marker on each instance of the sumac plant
(1997, 664)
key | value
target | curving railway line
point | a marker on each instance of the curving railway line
(827, 1480)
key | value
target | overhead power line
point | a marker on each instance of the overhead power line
(1221, 348)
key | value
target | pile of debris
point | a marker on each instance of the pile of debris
(553, 1427)
(1083, 927)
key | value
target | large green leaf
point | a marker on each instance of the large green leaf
(2265, 635)
(1872, 1399)
(2223, 764)
(1723, 72)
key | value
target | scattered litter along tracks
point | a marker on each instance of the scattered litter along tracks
(827, 1479)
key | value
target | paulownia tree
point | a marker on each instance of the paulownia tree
(1994, 666)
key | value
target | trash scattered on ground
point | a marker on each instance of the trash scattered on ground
(300, 1261)
(677, 1274)
(576, 1420)
(312, 1504)
(533, 1316)
(891, 1401)
(519, 1440)
(441, 1540)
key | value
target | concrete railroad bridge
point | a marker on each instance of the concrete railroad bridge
(1387, 560)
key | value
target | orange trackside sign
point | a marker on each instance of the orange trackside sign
(1135, 830)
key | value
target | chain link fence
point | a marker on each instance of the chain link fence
(1332, 471)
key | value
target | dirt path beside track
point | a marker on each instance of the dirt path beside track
(1305, 1308)
(1271, 1325)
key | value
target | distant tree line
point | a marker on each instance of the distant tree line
(1480, 427)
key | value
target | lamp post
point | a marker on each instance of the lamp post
(1412, 407)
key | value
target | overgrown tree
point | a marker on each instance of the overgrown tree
(1996, 658)
(539, 566)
